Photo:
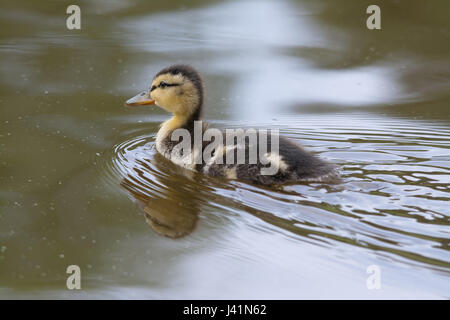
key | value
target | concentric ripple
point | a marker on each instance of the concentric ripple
(393, 200)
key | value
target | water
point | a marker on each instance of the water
(81, 183)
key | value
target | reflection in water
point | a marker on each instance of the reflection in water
(292, 80)
(166, 210)
(390, 200)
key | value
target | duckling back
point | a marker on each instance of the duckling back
(291, 162)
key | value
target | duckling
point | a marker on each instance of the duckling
(179, 90)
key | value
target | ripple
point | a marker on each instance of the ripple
(392, 206)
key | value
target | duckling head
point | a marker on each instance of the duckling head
(177, 89)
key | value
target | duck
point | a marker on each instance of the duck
(179, 89)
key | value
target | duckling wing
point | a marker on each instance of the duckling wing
(303, 165)
(288, 163)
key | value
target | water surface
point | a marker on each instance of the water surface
(81, 183)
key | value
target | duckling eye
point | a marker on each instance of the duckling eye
(162, 84)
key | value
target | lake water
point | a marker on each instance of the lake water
(81, 183)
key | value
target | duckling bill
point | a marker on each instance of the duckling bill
(179, 90)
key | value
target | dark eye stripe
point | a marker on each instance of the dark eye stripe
(169, 85)
(165, 85)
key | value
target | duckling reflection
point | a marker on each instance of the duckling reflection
(169, 202)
